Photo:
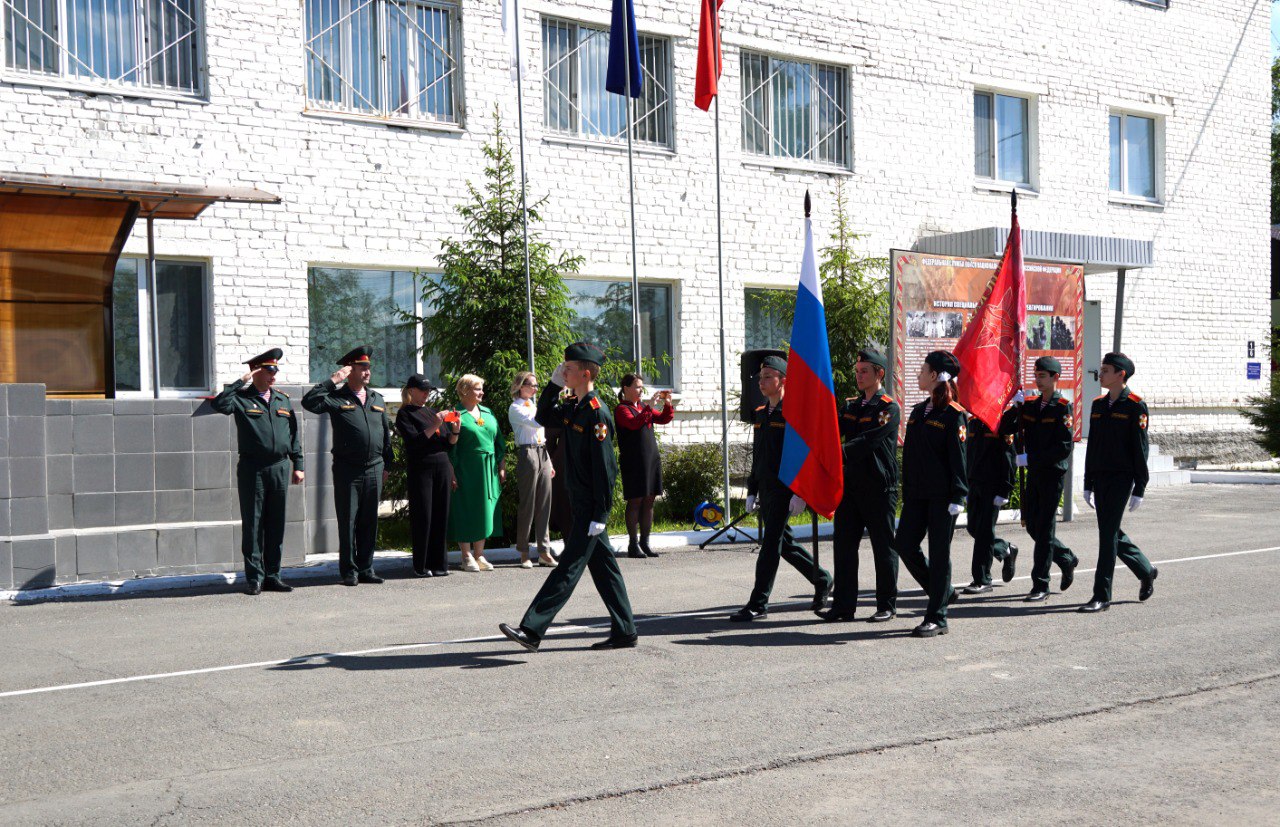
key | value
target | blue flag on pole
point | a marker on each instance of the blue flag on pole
(622, 35)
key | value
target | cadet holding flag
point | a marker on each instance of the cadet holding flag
(267, 437)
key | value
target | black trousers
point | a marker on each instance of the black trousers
(263, 493)
(872, 513)
(1040, 510)
(928, 518)
(777, 543)
(982, 528)
(356, 492)
(429, 486)
(1111, 498)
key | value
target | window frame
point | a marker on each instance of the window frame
(673, 321)
(146, 348)
(750, 157)
(994, 182)
(1157, 161)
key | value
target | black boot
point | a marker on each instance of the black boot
(633, 550)
(648, 552)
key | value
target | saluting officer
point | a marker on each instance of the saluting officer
(869, 434)
(934, 486)
(361, 453)
(775, 500)
(591, 471)
(1115, 474)
(990, 460)
(1048, 441)
(267, 437)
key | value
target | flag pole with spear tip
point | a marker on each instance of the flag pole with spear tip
(1020, 354)
(808, 211)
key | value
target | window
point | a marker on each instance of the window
(1002, 137)
(348, 308)
(602, 315)
(152, 44)
(182, 304)
(575, 60)
(795, 110)
(384, 58)
(1133, 156)
(767, 325)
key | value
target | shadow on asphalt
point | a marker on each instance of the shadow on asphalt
(430, 660)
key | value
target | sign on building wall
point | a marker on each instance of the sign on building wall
(935, 296)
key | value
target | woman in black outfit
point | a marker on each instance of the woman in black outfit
(638, 462)
(426, 440)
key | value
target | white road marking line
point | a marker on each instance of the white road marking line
(558, 630)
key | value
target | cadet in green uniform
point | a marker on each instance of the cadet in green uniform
(1115, 475)
(775, 500)
(267, 437)
(1047, 437)
(869, 433)
(361, 453)
(591, 470)
(989, 457)
(934, 486)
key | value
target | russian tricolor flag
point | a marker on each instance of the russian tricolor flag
(812, 463)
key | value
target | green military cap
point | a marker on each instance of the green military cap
(584, 352)
(778, 363)
(1048, 364)
(357, 356)
(1120, 362)
(269, 360)
(943, 361)
(874, 357)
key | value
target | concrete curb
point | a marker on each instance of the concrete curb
(1235, 477)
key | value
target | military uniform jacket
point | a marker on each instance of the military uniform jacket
(769, 429)
(869, 438)
(1047, 433)
(266, 432)
(1118, 443)
(591, 469)
(933, 459)
(361, 433)
(990, 456)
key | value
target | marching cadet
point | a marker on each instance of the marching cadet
(361, 454)
(1047, 435)
(267, 437)
(591, 472)
(869, 434)
(934, 486)
(1115, 474)
(990, 459)
(775, 501)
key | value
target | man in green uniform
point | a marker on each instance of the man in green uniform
(361, 453)
(1115, 475)
(267, 436)
(1048, 440)
(591, 471)
(869, 435)
(775, 501)
(990, 460)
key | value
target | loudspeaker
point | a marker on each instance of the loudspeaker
(751, 398)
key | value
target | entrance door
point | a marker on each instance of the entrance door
(1092, 357)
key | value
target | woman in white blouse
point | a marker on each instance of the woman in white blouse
(533, 471)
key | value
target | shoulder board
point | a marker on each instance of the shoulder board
(282, 393)
(1062, 400)
(1133, 396)
(886, 398)
(958, 407)
(595, 403)
(761, 408)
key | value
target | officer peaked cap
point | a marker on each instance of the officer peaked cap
(358, 356)
(585, 352)
(1120, 362)
(270, 359)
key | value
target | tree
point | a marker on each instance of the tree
(1265, 413)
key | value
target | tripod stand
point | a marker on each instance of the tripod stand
(733, 531)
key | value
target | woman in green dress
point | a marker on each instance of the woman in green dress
(478, 472)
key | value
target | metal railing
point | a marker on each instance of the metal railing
(796, 110)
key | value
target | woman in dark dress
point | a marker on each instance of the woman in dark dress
(427, 438)
(638, 459)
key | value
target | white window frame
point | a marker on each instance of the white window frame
(674, 322)
(64, 79)
(1158, 116)
(145, 346)
(782, 160)
(1032, 185)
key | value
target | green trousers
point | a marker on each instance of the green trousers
(982, 528)
(930, 518)
(871, 513)
(263, 493)
(594, 554)
(356, 492)
(1111, 498)
(776, 544)
(1040, 511)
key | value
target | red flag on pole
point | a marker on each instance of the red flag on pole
(990, 349)
(710, 60)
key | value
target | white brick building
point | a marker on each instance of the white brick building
(377, 193)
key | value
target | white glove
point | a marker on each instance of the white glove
(1022, 460)
(594, 529)
(797, 505)
(1134, 502)
(1001, 502)
(1019, 397)
(954, 509)
(752, 505)
(1088, 498)
(557, 375)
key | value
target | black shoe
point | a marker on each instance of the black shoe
(834, 616)
(422, 573)
(929, 629)
(349, 579)
(616, 642)
(955, 595)
(633, 550)
(369, 577)
(1010, 560)
(439, 572)
(1094, 606)
(746, 615)
(1149, 585)
(253, 589)
(275, 584)
(978, 588)
(821, 596)
(648, 552)
(526, 639)
(1037, 596)
(1068, 576)
(883, 616)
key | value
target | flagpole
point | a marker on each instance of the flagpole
(1020, 355)
(808, 231)
(631, 190)
(724, 369)
(524, 187)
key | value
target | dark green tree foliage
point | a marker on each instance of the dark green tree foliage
(1264, 415)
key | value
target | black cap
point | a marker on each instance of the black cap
(1120, 362)
(268, 360)
(584, 352)
(943, 361)
(358, 356)
(420, 382)
(874, 357)
(775, 362)
(1049, 365)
